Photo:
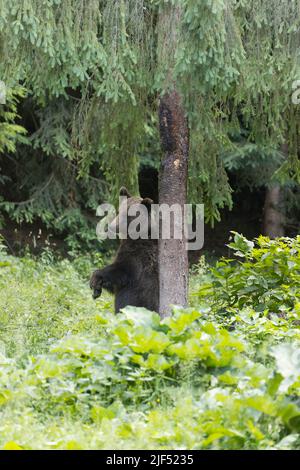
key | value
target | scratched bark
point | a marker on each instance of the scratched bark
(173, 258)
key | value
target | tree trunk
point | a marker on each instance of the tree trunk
(173, 256)
(273, 217)
(273, 224)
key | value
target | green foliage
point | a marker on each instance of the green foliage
(93, 71)
(209, 61)
(79, 59)
(266, 280)
(270, 35)
(253, 165)
(222, 374)
(10, 132)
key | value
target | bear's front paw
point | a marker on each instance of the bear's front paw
(96, 283)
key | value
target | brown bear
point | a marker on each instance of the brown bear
(133, 276)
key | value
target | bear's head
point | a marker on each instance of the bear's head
(134, 217)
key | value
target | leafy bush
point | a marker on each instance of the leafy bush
(222, 374)
(266, 279)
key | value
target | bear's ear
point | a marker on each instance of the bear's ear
(124, 192)
(147, 202)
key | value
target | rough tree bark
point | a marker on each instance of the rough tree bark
(173, 256)
(273, 226)
(273, 223)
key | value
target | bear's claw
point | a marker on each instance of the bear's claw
(96, 283)
(96, 293)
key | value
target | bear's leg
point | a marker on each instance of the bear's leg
(125, 297)
(111, 278)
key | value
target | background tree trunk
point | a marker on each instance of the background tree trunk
(173, 256)
(273, 218)
(273, 224)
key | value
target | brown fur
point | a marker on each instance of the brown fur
(133, 276)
